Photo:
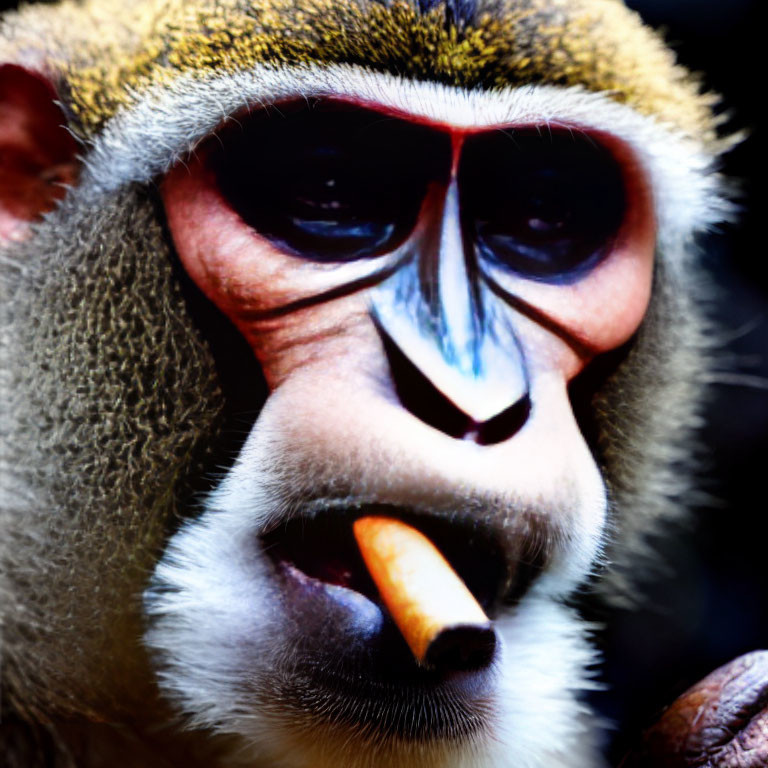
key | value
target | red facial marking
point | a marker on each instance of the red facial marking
(249, 277)
(602, 311)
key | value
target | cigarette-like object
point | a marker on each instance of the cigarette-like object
(437, 615)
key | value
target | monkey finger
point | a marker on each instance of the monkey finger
(722, 722)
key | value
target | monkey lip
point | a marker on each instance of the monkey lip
(320, 569)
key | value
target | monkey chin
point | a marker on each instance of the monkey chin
(305, 672)
(354, 673)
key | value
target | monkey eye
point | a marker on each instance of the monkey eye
(329, 182)
(545, 205)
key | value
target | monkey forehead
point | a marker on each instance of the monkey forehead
(598, 44)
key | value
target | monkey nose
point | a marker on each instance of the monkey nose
(422, 399)
(437, 314)
(483, 377)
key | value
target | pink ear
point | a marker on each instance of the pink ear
(37, 155)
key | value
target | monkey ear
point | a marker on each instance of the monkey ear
(37, 154)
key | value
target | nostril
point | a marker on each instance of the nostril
(426, 402)
(504, 425)
(419, 396)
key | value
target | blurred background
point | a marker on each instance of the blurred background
(712, 605)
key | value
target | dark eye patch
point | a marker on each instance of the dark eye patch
(545, 205)
(330, 183)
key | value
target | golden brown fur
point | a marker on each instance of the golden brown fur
(112, 49)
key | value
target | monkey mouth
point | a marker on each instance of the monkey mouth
(321, 552)
(354, 658)
(323, 548)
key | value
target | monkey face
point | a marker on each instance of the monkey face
(457, 239)
(419, 293)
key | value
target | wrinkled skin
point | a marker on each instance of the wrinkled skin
(721, 722)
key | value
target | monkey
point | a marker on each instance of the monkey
(272, 267)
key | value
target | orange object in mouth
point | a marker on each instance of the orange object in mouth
(439, 618)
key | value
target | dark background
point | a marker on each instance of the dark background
(711, 607)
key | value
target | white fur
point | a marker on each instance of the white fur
(209, 596)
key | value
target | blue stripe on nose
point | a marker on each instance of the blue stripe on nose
(448, 324)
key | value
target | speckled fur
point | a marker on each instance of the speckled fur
(119, 49)
(106, 410)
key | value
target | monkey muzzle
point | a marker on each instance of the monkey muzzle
(439, 603)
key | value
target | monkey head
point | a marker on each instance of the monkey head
(432, 262)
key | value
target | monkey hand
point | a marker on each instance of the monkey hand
(722, 722)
